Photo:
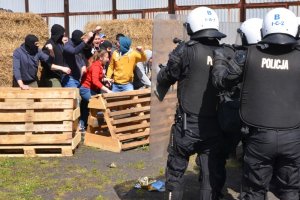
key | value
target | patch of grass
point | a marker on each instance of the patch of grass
(145, 147)
(161, 171)
(137, 165)
(99, 198)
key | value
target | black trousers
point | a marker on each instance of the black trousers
(199, 135)
(271, 153)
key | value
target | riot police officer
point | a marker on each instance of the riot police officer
(196, 128)
(228, 108)
(270, 106)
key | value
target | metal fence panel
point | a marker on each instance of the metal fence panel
(14, 5)
(79, 21)
(141, 4)
(270, 1)
(225, 15)
(151, 15)
(204, 2)
(130, 16)
(90, 5)
(46, 6)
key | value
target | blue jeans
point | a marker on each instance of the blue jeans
(122, 87)
(69, 81)
(85, 94)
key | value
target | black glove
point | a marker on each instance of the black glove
(219, 73)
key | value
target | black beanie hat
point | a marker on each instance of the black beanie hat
(30, 46)
(76, 37)
(106, 44)
(57, 33)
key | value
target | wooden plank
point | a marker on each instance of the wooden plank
(43, 93)
(65, 138)
(32, 151)
(93, 121)
(122, 137)
(55, 116)
(66, 151)
(132, 127)
(128, 102)
(76, 114)
(76, 140)
(102, 142)
(97, 102)
(54, 104)
(131, 119)
(127, 93)
(129, 111)
(135, 144)
(65, 126)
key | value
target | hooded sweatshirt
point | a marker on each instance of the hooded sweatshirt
(57, 33)
(122, 64)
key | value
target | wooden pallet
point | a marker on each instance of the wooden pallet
(39, 122)
(119, 121)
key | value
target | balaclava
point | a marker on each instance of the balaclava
(76, 37)
(30, 46)
(57, 33)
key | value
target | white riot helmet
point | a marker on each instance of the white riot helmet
(203, 22)
(279, 27)
(250, 31)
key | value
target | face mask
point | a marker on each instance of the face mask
(30, 44)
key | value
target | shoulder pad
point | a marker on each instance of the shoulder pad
(191, 42)
(227, 46)
(297, 47)
(239, 47)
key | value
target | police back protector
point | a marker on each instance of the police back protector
(270, 95)
(196, 93)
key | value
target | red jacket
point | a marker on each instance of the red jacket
(93, 77)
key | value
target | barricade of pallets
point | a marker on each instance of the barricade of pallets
(119, 121)
(39, 122)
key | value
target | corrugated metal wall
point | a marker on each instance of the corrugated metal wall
(14, 5)
(79, 21)
(225, 15)
(46, 6)
(141, 4)
(90, 5)
(205, 2)
(83, 11)
(269, 1)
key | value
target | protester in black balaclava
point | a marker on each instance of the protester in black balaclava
(31, 44)
(76, 37)
(26, 60)
(52, 72)
(74, 58)
(57, 33)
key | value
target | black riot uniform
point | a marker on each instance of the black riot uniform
(270, 106)
(196, 128)
(227, 62)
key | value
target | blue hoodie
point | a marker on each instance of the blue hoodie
(125, 43)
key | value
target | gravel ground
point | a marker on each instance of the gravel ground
(138, 163)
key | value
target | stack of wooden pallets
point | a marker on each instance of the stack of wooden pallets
(39, 122)
(119, 121)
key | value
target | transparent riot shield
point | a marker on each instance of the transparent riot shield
(165, 29)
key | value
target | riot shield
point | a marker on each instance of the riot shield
(165, 29)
